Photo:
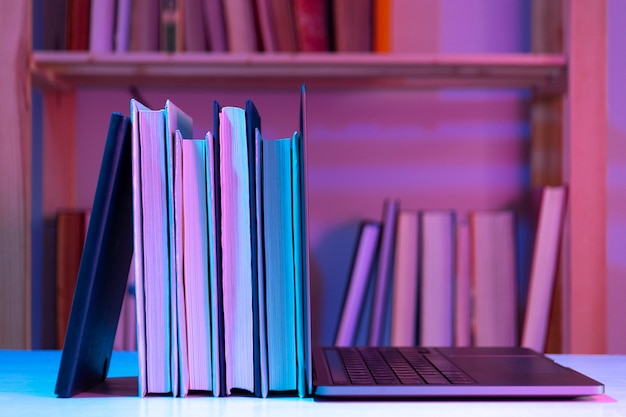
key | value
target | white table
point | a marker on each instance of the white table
(27, 380)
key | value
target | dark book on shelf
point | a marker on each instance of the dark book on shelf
(363, 261)
(382, 284)
(103, 272)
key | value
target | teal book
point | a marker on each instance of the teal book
(279, 253)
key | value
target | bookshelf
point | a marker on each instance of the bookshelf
(568, 130)
(544, 73)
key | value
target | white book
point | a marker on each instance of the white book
(494, 277)
(463, 287)
(543, 267)
(405, 301)
(150, 237)
(196, 264)
(236, 250)
(155, 244)
(436, 278)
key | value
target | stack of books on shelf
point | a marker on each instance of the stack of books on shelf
(218, 241)
(106, 26)
(431, 278)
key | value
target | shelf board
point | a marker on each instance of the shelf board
(62, 70)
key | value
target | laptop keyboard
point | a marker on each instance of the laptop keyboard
(393, 366)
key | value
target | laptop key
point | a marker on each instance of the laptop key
(436, 379)
(337, 371)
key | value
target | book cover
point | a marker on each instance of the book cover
(237, 257)
(176, 120)
(543, 267)
(253, 125)
(279, 252)
(122, 26)
(301, 250)
(102, 26)
(382, 285)
(171, 28)
(404, 299)
(144, 25)
(436, 304)
(193, 265)
(463, 286)
(214, 25)
(78, 23)
(241, 31)
(494, 278)
(352, 24)
(312, 28)
(194, 30)
(155, 245)
(365, 252)
(215, 247)
(284, 25)
(104, 268)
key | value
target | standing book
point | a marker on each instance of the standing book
(365, 253)
(436, 305)
(192, 262)
(383, 282)
(103, 271)
(237, 256)
(279, 261)
(405, 300)
(494, 278)
(543, 267)
(155, 245)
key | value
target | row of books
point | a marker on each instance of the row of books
(218, 247)
(430, 278)
(105, 26)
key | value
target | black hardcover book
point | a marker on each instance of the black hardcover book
(220, 367)
(103, 272)
(253, 123)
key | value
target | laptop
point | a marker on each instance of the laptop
(429, 372)
(448, 372)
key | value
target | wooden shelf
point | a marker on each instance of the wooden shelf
(545, 73)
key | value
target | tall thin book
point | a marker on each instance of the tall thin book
(405, 300)
(383, 274)
(494, 276)
(279, 262)
(436, 305)
(543, 267)
(365, 252)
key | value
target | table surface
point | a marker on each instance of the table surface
(27, 380)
